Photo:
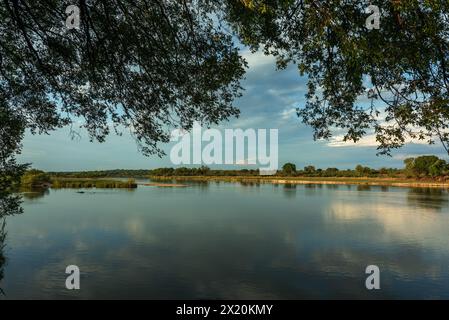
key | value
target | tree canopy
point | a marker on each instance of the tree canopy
(143, 65)
(400, 70)
(425, 165)
(289, 168)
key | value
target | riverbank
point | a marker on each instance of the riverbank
(393, 182)
(165, 185)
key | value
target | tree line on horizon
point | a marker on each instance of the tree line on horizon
(419, 167)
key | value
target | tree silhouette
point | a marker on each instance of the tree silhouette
(143, 65)
(401, 69)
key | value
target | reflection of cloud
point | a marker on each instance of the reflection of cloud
(152, 245)
(137, 229)
(408, 224)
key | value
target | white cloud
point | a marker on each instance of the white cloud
(288, 113)
(403, 156)
(258, 59)
(366, 141)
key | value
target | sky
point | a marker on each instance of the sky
(269, 101)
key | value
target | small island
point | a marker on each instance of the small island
(33, 179)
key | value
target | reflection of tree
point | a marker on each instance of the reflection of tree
(363, 187)
(2, 245)
(33, 194)
(290, 190)
(9, 205)
(426, 198)
(249, 183)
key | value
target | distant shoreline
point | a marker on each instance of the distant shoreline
(388, 182)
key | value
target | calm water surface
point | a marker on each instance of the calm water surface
(230, 241)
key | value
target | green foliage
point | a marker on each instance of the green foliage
(402, 68)
(92, 183)
(438, 168)
(10, 174)
(309, 169)
(203, 171)
(289, 168)
(117, 173)
(145, 65)
(330, 172)
(35, 178)
(11, 133)
(362, 171)
(421, 166)
(425, 166)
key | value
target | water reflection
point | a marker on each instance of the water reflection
(363, 187)
(35, 193)
(290, 190)
(2, 247)
(428, 198)
(10, 204)
(236, 243)
(249, 183)
(402, 231)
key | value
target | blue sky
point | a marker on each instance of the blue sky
(269, 101)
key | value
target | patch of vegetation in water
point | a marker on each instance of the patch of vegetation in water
(60, 183)
(35, 179)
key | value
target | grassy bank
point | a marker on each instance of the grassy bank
(396, 182)
(59, 183)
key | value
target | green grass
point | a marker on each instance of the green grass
(58, 183)
(381, 181)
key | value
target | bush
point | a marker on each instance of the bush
(35, 178)
(289, 168)
(100, 184)
(425, 166)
